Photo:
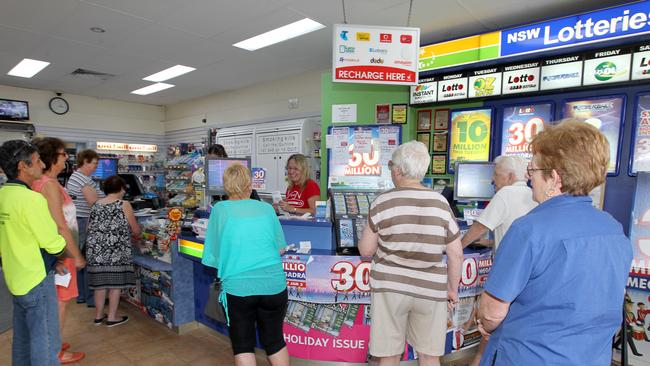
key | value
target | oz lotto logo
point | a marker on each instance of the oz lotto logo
(605, 71)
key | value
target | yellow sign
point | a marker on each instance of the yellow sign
(470, 135)
(126, 147)
(363, 36)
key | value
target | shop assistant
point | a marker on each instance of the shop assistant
(302, 191)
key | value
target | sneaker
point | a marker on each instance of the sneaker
(100, 321)
(118, 322)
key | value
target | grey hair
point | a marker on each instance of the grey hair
(514, 164)
(412, 159)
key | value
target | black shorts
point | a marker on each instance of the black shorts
(267, 311)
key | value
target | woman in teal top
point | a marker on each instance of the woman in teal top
(244, 242)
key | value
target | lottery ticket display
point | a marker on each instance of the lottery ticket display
(350, 212)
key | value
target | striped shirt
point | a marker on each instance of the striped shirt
(74, 186)
(414, 227)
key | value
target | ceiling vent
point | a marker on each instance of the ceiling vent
(90, 74)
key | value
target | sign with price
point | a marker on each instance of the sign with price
(259, 178)
(470, 136)
(641, 143)
(520, 124)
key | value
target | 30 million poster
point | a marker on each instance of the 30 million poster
(520, 124)
(470, 135)
(606, 114)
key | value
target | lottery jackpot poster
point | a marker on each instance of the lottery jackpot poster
(641, 142)
(520, 124)
(604, 113)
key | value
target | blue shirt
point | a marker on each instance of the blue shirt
(563, 267)
(243, 243)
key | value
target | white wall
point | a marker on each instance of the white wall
(257, 103)
(90, 113)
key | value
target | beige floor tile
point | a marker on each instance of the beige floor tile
(162, 359)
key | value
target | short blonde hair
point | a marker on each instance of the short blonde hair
(236, 179)
(578, 151)
(303, 164)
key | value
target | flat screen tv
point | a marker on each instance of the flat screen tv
(105, 169)
(14, 110)
(214, 168)
(473, 181)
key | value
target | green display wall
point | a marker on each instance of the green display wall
(366, 97)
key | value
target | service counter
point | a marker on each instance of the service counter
(328, 318)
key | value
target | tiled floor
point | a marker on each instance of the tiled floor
(140, 342)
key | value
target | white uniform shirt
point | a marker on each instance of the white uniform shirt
(507, 205)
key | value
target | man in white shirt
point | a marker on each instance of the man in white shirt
(512, 200)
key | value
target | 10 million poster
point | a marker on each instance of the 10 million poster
(606, 114)
(470, 135)
(520, 124)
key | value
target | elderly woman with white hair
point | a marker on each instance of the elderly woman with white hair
(512, 200)
(409, 230)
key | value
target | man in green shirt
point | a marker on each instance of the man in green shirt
(28, 235)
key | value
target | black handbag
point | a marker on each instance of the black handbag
(213, 308)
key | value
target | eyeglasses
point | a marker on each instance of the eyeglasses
(63, 154)
(390, 164)
(531, 171)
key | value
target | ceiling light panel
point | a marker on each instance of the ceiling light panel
(153, 88)
(28, 68)
(169, 73)
(281, 34)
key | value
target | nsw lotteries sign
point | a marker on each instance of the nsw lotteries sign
(377, 55)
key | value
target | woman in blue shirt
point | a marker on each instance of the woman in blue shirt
(555, 291)
(244, 242)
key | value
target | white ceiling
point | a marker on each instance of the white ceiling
(146, 36)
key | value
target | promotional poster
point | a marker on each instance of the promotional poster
(358, 156)
(470, 136)
(641, 142)
(520, 124)
(606, 114)
(637, 298)
(328, 317)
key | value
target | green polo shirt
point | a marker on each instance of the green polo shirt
(26, 227)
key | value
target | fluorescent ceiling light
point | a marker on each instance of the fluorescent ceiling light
(280, 34)
(169, 73)
(28, 68)
(153, 88)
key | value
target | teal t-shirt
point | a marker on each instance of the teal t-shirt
(243, 243)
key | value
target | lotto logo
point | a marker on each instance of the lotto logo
(521, 79)
(406, 38)
(447, 88)
(385, 38)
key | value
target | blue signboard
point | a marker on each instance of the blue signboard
(621, 21)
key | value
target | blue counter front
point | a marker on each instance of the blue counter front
(328, 315)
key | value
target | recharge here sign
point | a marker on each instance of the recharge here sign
(621, 21)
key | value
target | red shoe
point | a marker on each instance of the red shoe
(74, 357)
(65, 346)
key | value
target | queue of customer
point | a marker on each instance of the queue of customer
(560, 268)
(39, 236)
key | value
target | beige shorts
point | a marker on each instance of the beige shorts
(396, 318)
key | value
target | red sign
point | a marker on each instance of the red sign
(385, 38)
(375, 73)
(406, 38)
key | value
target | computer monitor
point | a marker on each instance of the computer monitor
(105, 169)
(214, 168)
(133, 186)
(473, 181)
